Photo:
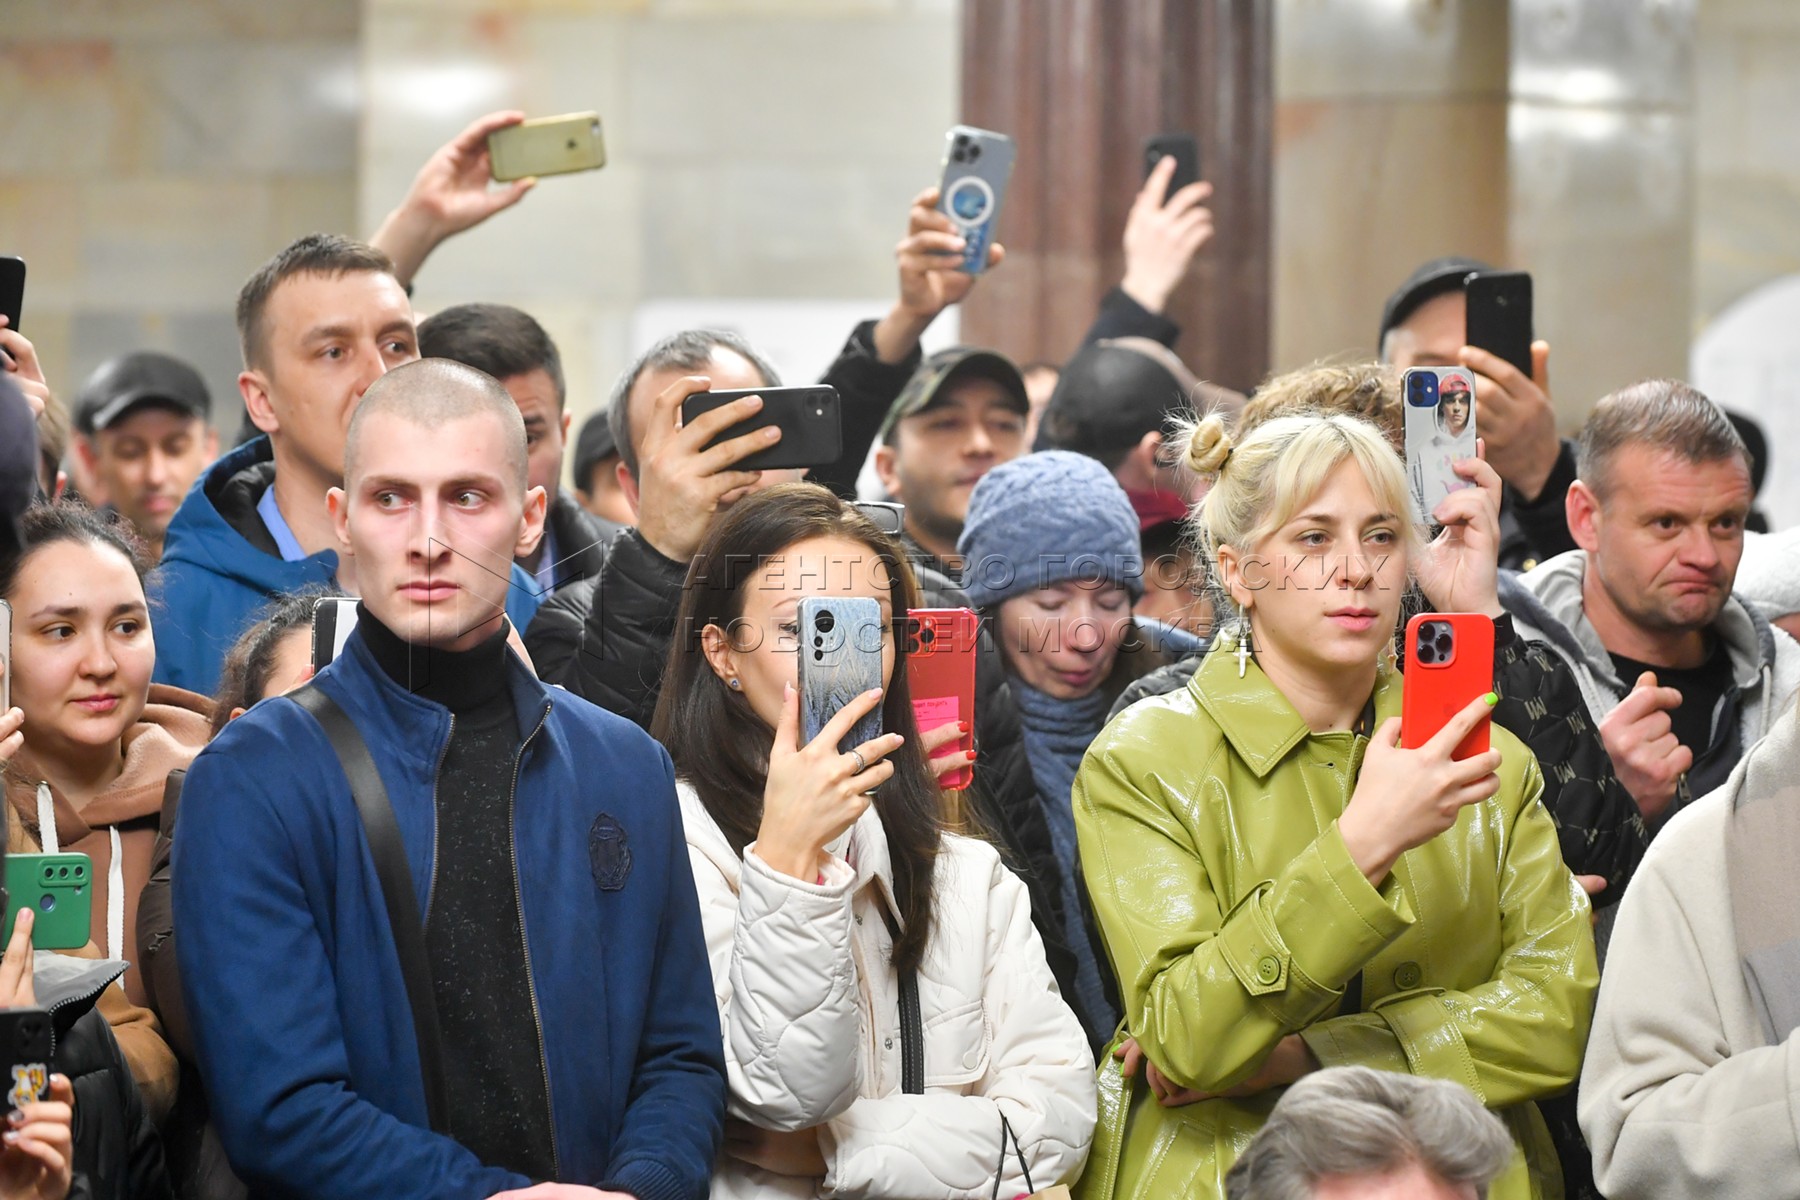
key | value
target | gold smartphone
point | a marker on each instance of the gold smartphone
(547, 146)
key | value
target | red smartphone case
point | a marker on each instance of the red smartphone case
(940, 670)
(1443, 674)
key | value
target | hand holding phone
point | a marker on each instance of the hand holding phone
(829, 752)
(809, 418)
(1405, 797)
(941, 645)
(977, 165)
(1168, 223)
(1439, 406)
(547, 146)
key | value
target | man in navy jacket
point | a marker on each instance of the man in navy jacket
(568, 963)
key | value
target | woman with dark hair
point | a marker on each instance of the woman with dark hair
(835, 903)
(98, 743)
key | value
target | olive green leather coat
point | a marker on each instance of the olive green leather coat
(1234, 916)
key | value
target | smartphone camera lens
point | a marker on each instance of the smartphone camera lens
(824, 622)
(974, 153)
(47, 902)
(928, 635)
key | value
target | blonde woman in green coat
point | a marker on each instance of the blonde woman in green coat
(1280, 886)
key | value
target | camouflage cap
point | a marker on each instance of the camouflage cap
(947, 367)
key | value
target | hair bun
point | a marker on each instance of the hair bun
(1208, 447)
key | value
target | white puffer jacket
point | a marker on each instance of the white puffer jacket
(810, 1010)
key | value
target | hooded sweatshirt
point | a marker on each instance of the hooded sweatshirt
(220, 565)
(117, 830)
(1546, 603)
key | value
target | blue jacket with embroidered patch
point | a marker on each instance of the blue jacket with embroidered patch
(294, 989)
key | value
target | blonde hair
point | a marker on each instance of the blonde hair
(1261, 482)
(1369, 390)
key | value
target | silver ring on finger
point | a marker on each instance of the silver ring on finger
(861, 764)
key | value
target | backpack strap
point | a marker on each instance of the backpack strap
(383, 833)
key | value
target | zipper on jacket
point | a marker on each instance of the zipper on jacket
(525, 940)
(443, 753)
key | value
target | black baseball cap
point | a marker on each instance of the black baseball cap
(593, 443)
(946, 367)
(133, 380)
(1111, 394)
(1427, 282)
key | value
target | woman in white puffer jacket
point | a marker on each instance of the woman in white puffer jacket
(823, 911)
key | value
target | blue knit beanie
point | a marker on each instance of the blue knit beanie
(1045, 518)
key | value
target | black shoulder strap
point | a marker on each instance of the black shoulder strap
(383, 832)
(912, 1021)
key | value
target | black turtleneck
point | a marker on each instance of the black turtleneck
(474, 932)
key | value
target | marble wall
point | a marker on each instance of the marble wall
(158, 150)
(757, 149)
(1390, 150)
(155, 154)
(1747, 203)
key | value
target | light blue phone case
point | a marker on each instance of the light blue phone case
(840, 659)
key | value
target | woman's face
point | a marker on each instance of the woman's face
(1456, 412)
(761, 651)
(82, 649)
(1063, 639)
(1324, 590)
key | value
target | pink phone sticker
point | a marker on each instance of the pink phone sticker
(934, 711)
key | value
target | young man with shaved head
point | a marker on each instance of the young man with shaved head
(568, 973)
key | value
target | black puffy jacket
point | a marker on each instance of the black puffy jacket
(117, 1153)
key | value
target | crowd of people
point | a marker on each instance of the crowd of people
(539, 888)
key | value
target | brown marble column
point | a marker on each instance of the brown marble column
(1079, 84)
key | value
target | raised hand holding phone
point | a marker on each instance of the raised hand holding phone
(814, 792)
(977, 165)
(1404, 798)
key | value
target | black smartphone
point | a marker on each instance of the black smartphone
(25, 1045)
(334, 617)
(1184, 148)
(1499, 315)
(810, 420)
(12, 289)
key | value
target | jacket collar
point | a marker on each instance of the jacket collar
(356, 671)
(1262, 726)
(203, 534)
(1557, 586)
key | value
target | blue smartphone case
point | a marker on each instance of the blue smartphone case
(840, 659)
(977, 164)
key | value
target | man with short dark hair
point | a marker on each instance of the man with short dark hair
(141, 431)
(962, 414)
(508, 344)
(568, 976)
(318, 324)
(1681, 676)
(1424, 324)
(596, 471)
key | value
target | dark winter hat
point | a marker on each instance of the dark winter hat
(132, 380)
(1045, 518)
(951, 366)
(1427, 282)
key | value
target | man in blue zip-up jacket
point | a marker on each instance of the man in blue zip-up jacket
(563, 934)
(317, 324)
